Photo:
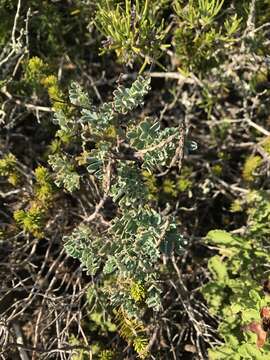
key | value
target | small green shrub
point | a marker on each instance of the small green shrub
(8, 169)
(32, 220)
(110, 183)
(128, 251)
(133, 31)
(199, 32)
(236, 293)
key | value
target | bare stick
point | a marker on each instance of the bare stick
(19, 337)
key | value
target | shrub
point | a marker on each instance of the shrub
(134, 31)
(237, 293)
(102, 186)
(128, 250)
(199, 32)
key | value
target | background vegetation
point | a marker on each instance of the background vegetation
(134, 172)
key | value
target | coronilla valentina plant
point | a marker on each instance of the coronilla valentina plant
(116, 150)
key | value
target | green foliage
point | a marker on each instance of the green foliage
(151, 184)
(137, 291)
(78, 96)
(97, 352)
(39, 78)
(99, 321)
(32, 220)
(217, 169)
(132, 30)
(266, 145)
(8, 169)
(259, 214)
(51, 84)
(65, 174)
(53, 28)
(133, 331)
(124, 100)
(7, 11)
(127, 254)
(35, 70)
(183, 184)
(78, 354)
(169, 187)
(156, 146)
(199, 32)
(44, 185)
(179, 184)
(119, 197)
(236, 206)
(107, 355)
(250, 166)
(233, 294)
(201, 11)
(81, 245)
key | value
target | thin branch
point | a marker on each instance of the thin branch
(50, 351)
(14, 29)
(19, 337)
(27, 105)
(158, 146)
(106, 185)
(257, 127)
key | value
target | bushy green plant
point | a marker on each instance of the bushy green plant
(128, 251)
(44, 186)
(32, 220)
(236, 294)
(133, 30)
(110, 184)
(8, 168)
(199, 33)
